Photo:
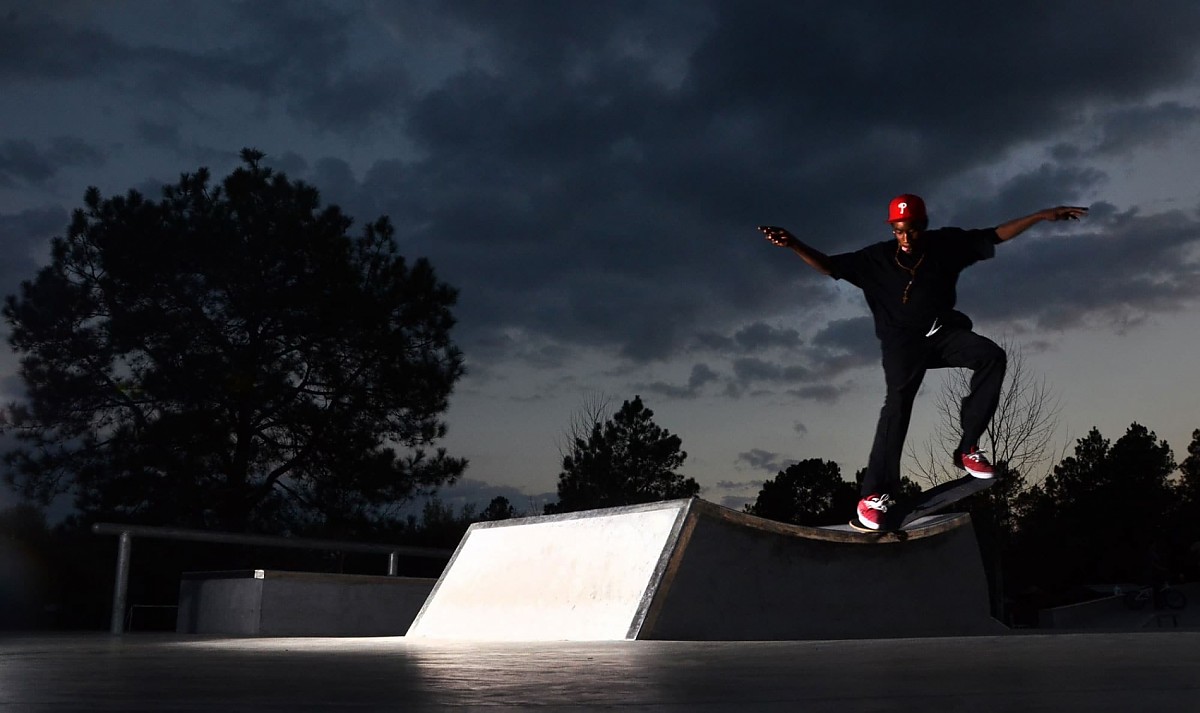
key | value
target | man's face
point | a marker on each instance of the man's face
(908, 234)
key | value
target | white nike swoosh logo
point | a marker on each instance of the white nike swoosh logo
(934, 329)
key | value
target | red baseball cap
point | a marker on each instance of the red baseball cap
(906, 207)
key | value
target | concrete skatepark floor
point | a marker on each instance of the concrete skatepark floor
(1017, 672)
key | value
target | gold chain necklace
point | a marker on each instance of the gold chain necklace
(912, 273)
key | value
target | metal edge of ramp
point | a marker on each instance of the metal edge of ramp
(668, 562)
(928, 526)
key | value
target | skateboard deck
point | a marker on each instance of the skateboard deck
(937, 498)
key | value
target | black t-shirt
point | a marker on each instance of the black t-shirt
(875, 270)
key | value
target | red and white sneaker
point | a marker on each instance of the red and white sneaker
(974, 463)
(871, 510)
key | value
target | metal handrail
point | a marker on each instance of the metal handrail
(126, 533)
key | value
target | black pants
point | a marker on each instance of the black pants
(904, 367)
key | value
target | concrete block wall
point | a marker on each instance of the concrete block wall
(279, 603)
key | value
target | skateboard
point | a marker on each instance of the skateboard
(939, 497)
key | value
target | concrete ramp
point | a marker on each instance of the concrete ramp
(692, 570)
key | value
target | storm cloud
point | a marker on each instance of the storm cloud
(590, 175)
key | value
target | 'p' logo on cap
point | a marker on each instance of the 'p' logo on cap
(906, 207)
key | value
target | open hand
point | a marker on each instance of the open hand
(1065, 212)
(777, 236)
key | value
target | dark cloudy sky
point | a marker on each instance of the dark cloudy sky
(589, 175)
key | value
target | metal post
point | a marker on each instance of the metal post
(121, 587)
(393, 563)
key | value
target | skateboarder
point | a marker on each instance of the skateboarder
(910, 286)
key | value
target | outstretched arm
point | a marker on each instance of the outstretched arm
(1013, 228)
(781, 237)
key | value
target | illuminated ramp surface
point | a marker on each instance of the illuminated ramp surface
(692, 570)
